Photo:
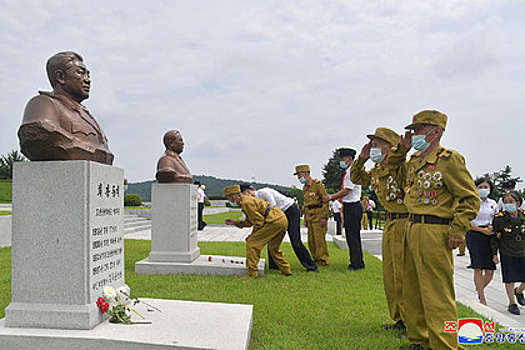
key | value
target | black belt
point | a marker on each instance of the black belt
(317, 206)
(428, 219)
(267, 212)
(394, 216)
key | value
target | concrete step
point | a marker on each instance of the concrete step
(135, 223)
(128, 230)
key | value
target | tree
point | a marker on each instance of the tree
(499, 178)
(6, 164)
(296, 193)
(333, 173)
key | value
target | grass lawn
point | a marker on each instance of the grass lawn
(335, 309)
(5, 191)
(218, 219)
(141, 207)
(4, 212)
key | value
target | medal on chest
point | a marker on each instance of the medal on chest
(429, 181)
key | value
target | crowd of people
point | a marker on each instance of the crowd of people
(432, 204)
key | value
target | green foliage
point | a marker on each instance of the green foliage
(296, 193)
(499, 178)
(229, 205)
(333, 173)
(6, 191)
(7, 161)
(132, 200)
(206, 202)
(4, 212)
(213, 198)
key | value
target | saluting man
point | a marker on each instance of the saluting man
(316, 216)
(441, 199)
(269, 226)
(388, 187)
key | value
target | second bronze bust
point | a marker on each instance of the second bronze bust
(171, 167)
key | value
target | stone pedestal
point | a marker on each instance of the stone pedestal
(174, 223)
(67, 242)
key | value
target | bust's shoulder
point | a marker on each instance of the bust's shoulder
(40, 107)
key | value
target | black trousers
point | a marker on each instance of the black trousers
(353, 213)
(294, 232)
(369, 216)
(201, 223)
(337, 218)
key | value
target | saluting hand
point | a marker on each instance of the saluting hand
(365, 151)
(406, 139)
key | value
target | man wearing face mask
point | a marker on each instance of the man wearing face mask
(352, 210)
(316, 215)
(441, 199)
(388, 186)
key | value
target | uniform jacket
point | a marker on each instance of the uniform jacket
(512, 230)
(314, 191)
(254, 209)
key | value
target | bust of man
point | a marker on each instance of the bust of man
(56, 126)
(171, 168)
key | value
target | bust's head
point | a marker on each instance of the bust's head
(173, 141)
(68, 75)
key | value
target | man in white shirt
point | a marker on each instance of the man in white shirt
(352, 210)
(335, 207)
(290, 209)
(202, 196)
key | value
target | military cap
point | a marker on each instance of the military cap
(428, 117)
(301, 168)
(385, 134)
(347, 152)
(509, 184)
(234, 189)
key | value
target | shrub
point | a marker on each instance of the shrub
(206, 202)
(132, 200)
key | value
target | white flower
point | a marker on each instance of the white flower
(123, 293)
(109, 293)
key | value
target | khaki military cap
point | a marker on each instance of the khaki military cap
(387, 135)
(301, 168)
(428, 117)
(234, 189)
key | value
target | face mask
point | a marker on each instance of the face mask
(510, 208)
(343, 164)
(302, 180)
(419, 143)
(376, 156)
(483, 192)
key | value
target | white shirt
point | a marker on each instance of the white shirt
(201, 194)
(336, 206)
(371, 205)
(275, 198)
(487, 210)
(355, 190)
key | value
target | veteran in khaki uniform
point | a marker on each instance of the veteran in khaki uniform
(269, 227)
(317, 214)
(441, 199)
(388, 185)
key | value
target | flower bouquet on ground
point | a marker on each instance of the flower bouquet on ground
(116, 304)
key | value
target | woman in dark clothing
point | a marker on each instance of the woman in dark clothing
(509, 239)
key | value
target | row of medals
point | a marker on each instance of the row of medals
(393, 191)
(428, 184)
(518, 236)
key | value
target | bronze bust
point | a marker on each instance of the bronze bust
(56, 126)
(171, 167)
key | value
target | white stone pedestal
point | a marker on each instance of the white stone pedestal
(174, 247)
(67, 242)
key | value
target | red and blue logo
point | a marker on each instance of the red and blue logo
(470, 330)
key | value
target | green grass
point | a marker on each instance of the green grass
(4, 212)
(141, 207)
(218, 219)
(5, 191)
(335, 309)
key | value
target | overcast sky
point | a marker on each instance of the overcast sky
(256, 87)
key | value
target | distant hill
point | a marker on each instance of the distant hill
(214, 186)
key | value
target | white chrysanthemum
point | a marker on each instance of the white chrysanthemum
(109, 293)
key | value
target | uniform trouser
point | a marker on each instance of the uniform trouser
(393, 245)
(353, 213)
(317, 240)
(272, 234)
(202, 224)
(428, 286)
(370, 215)
(337, 218)
(294, 232)
(364, 221)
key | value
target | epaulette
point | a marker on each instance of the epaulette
(444, 153)
(499, 214)
(377, 165)
(317, 181)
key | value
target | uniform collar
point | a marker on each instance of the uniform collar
(431, 158)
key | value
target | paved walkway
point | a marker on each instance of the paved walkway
(465, 292)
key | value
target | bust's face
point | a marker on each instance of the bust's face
(176, 143)
(77, 81)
